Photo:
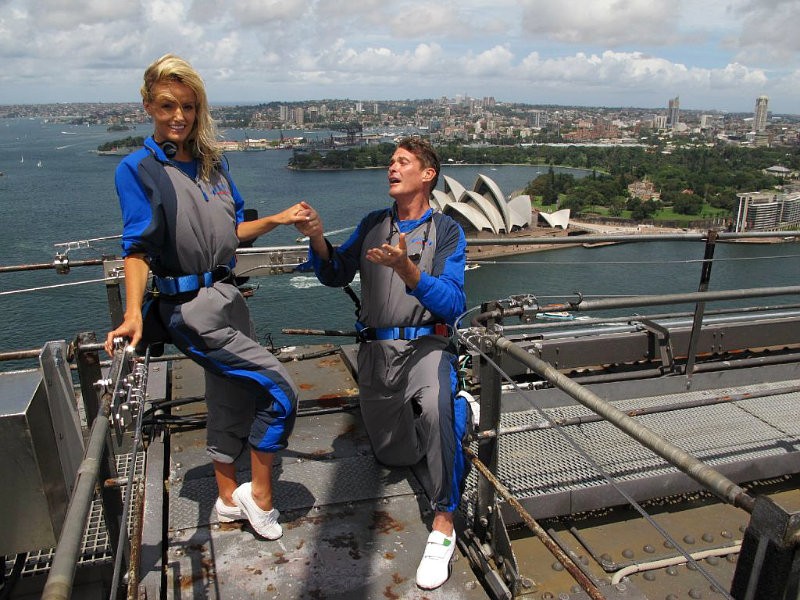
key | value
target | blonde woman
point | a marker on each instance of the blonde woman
(183, 220)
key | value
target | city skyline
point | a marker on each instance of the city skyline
(720, 55)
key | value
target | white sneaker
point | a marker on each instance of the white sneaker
(474, 405)
(434, 568)
(264, 522)
(228, 514)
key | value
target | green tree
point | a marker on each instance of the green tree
(688, 204)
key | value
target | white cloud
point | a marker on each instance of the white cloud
(67, 14)
(610, 23)
(713, 54)
(495, 62)
(768, 32)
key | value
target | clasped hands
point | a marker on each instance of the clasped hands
(396, 257)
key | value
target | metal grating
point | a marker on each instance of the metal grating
(542, 462)
(94, 547)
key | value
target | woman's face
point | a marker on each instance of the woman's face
(174, 109)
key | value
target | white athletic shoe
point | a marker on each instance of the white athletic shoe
(228, 514)
(434, 568)
(474, 405)
(265, 523)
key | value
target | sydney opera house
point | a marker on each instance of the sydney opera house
(484, 208)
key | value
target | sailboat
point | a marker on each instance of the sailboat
(39, 164)
(22, 159)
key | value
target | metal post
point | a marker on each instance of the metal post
(769, 562)
(115, 308)
(488, 450)
(697, 324)
(89, 373)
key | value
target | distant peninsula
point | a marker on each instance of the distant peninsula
(120, 147)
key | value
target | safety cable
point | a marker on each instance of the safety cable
(629, 262)
(57, 285)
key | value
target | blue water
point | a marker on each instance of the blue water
(71, 197)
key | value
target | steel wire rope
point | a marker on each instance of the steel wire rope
(56, 285)
(629, 262)
(575, 446)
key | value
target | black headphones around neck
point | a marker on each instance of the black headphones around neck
(170, 149)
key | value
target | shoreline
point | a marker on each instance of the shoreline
(576, 229)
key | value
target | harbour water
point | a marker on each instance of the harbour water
(54, 189)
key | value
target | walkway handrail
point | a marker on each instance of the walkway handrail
(62, 570)
(628, 237)
(582, 305)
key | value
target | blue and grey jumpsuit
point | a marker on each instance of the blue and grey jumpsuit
(407, 367)
(187, 228)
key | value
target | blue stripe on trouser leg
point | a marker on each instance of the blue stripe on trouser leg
(460, 465)
(275, 404)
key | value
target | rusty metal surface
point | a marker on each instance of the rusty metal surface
(297, 485)
(604, 542)
(352, 528)
(355, 551)
(324, 379)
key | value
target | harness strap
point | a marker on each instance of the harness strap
(367, 334)
(172, 286)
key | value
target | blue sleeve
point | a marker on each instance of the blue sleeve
(344, 260)
(137, 211)
(442, 291)
(237, 197)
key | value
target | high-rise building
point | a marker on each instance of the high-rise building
(760, 115)
(766, 211)
(674, 115)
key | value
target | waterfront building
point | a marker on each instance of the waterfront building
(767, 211)
(484, 207)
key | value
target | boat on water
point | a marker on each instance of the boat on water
(558, 315)
(633, 456)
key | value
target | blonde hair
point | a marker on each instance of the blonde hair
(202, 139)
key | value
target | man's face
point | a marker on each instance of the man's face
(406, 175)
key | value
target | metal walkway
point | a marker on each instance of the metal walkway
(747, 432)
(352, 528)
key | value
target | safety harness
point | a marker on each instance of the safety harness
(182, 284)
(371, 334)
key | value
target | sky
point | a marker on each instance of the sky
(712, 54)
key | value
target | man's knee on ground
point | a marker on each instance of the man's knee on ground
(390, 458)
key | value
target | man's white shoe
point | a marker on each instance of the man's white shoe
(228, 514)
(474, 405)
(434, 568)
(265, 523)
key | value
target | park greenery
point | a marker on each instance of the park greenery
(694, 182)
(128, 142)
